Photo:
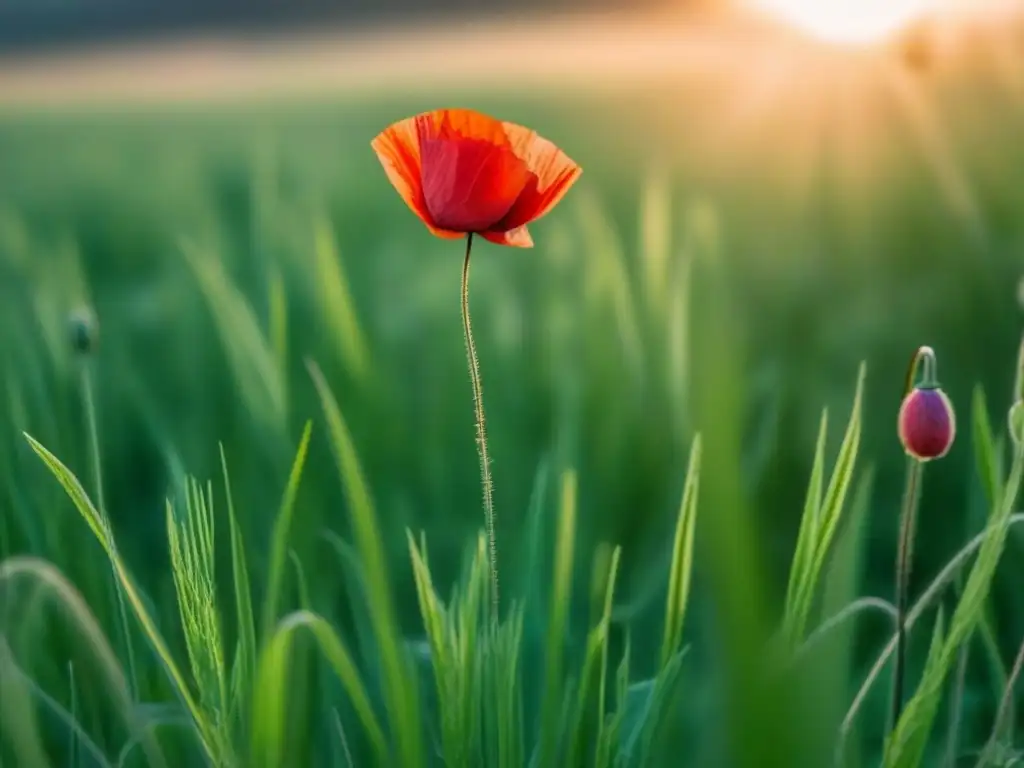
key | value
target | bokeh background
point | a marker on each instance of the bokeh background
(202, 179)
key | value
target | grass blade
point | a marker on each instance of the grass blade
(400, 689)
(682, 558)
(84, 506)
(243, 673)
(809, 523)
(905, 748)
(985, 448)
(279, 538)
(831, 510)
(561, 597)
(271, 695)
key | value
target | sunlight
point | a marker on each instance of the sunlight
(847, 21)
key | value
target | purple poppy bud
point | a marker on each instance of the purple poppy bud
(927, 424)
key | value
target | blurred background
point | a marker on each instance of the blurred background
(200, 175)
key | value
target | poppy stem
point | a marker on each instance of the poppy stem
(904, 555)
(924, 357)
(481, 430)
(89, 402)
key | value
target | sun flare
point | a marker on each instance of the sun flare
(847, 21)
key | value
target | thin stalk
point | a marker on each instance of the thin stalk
(924, 602)
(481, 430)
(904, 556)
(73, 746)
(94, 448)
(1005, 708)
(956, 708)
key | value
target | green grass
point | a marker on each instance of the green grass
(691, 386)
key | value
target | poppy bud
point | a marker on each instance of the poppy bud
(927, 424)
(83, 331)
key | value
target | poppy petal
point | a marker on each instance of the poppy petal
(471, 178)
(552, 174)
(516, 238)
(462, 124)
(398, 150)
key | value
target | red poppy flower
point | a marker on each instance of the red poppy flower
(463, 172)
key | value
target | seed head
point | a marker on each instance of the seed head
(927, 423)
(83, 331)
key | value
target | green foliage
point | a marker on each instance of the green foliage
(279, 539)
(682, 559)
(192, 564)
(624, 641)
(400, 691)
(906, 745)
(820, 521)
(476, 660)
(205, 725)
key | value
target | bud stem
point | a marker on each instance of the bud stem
(94, 448)
(924, 358)
(904, 555)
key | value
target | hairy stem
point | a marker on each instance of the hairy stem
(481, 430)
(94, 449)
(904, 555)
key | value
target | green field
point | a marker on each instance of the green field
(737, 246)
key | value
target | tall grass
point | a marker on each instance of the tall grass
(690, 545)
(479, 715)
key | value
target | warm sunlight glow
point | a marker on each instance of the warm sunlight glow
(847, 21)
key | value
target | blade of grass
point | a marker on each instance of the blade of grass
(90, 635)
(336, 302)
(271, 692)
(830, 514)
(610, 737)
(400, 689)
(682, 558)
(905, 747)
(84, 506)
(243, 673)
(301, 585)
(830, 669)
(282, 530)
(18, 714)
(808, 534)
(561, 597)
(913, 753)
(73, 717)
(500, 683)
(986, 457)
(595, 658)
(92, 420)
(924, 602)
(78, 735)
(1004, 713)
(984, 448)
